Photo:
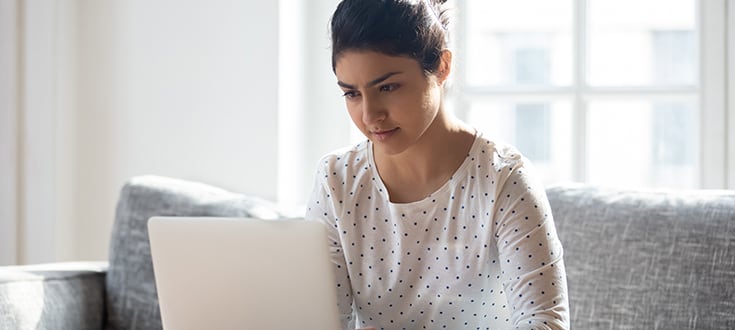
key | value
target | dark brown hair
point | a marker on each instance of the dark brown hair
(417, 29)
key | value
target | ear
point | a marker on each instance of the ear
(445, 66)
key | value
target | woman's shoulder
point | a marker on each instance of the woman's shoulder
(499, 153)
(346, 157)
(506, 162)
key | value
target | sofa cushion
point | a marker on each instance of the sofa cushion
(132, 302)
(647, 260)
(53, 296)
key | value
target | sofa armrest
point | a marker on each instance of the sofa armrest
(53, 296)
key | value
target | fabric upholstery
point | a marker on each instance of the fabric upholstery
(648, 259)
(634, 260)
(52, 296)
(132, 301)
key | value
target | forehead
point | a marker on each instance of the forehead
(356, 66)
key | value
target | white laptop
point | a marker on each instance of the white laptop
(239, 273)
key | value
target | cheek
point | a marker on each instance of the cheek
(423, 96)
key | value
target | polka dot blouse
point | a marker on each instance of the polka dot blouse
(479, 253)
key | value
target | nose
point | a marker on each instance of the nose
(373, 111)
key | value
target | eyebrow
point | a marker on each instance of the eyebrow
(372, 82)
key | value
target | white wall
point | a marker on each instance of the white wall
(313, 116)
(186, 89)
(226, 92)
(328, 123)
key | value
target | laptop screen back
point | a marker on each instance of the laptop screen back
(239, 273)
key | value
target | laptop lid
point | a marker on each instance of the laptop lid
(241, 273)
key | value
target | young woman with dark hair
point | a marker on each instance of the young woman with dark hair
(431, 225)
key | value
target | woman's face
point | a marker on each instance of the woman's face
(390, 98)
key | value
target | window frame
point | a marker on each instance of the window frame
(713, 99)
(730, 101)
(9, 133)
(716, 166)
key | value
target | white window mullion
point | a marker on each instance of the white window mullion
(8, 132)
(713, 159)
(730, 101)
(459, 93)
(580, 84)
(586, 94)
(37, 227)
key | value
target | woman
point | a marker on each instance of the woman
(430, 224)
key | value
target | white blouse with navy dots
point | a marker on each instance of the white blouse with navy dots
(479, 253)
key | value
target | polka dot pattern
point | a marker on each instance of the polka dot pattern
(479, 253)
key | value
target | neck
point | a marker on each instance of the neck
(437, 154)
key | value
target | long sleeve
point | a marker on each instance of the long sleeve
(320, 208)
(530, 252)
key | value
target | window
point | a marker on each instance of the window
(599, 91)
(532, 130)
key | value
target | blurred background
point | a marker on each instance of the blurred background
(240, 94)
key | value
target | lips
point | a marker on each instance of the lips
(382, 135)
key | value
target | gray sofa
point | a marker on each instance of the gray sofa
(635, 260)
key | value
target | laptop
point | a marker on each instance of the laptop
(242, 273)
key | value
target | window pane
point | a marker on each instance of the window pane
(642, 43)
(533, 129)
(643, 143)
(541, 130)
(522, 42)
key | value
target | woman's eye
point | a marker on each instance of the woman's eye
(350, 94)
(388, 87)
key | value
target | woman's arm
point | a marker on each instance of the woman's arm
(321, 208)
(534, 278)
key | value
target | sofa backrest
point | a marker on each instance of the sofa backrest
(634, 260)
(132, 301)
(647, 260)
